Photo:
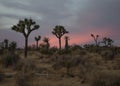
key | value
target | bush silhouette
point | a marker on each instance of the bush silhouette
(10, 59)
(107, 41)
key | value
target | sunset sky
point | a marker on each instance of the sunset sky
(79, 17)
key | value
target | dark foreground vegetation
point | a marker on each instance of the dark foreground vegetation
(89, 65)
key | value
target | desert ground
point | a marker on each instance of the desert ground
(79, 67)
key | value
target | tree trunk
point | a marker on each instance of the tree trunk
(59, 43)
(96, 42)
(48, 45)
(66, 44)
(26, 47)
(36, 44)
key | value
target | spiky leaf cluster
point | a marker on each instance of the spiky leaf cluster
(59, 31)
(25, 26)
(66, 38)
(46, 40)
(94, 36)
(38, 38)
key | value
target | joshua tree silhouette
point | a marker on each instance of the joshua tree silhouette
(66, 42)
(95, 39)
(46, 41)
(37, 40)
(59, 31)
(12, 47)
(25, 27)
(6, 43)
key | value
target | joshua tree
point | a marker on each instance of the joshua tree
(66, 42)
(46, 41)
(12, 46)
(95, 39)
(37, 39)
(59, 31)
(107, 41)
(6, 43)
(25, 27)
(1, 47)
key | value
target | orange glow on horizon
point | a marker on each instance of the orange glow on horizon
(76, 38)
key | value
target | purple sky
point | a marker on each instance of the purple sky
(80, 18)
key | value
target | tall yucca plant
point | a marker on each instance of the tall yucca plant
(37, 40)
(46, 41)
(6, 43)
(59, 31)
(95, 37)
(66, 42)
(25, 27)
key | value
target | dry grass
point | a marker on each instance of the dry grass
(105, 78)
(38, 69)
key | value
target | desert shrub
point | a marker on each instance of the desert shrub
(25, 75)
(1, 75)
(74, 60)
(75, 47)
(116, 64)
(68, 62)
(105, 78)
(41, 70)
(23, 79)
(58, 62)
(107, 55)
(87, 59)
(87, 64)
(9, 59)
(1, 51)
(96, 59)
(82, 52)
(1, 48)
(25, 65)
(63, 52)
(53, 49)
(79, 65)
(81, 59)
(45, 51)
(91, 48)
